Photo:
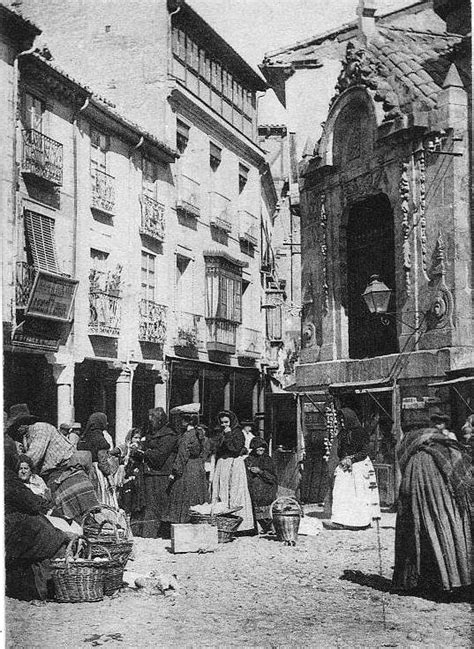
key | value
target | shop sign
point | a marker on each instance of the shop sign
(412, 403)
(52, 297)
(39, 335)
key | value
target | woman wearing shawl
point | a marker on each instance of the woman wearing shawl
(188, 484)
(30, 539)
(355, 498)
(160, 447)
(262, 481)
(229, 484)
(432, 534)
(132, 493)
(103, 464)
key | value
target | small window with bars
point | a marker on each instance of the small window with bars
(40, 240)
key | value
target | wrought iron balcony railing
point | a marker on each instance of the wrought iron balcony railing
(42, 157)
(25, 276)
(104, 313)
(152, 322)
(221, 335)
(248, 227)
(103, 191)
(153, 218)
(219, 211)
(189, 196)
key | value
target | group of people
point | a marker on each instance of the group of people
(175, 465)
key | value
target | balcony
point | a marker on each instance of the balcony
(250, 343)
(103, 192)
(104, 313)
(153, 218)
(189, 197)
(42, 157)
(152, 322)
(221, 335)
(219, 211)
(248, 228)
(25, 276)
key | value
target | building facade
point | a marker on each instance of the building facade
(385, 191)
(148, 235)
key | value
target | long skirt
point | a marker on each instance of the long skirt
(355, 497)
(188, 490)
(147, 522)
(432, 534)
(104, 487)
(229, 486)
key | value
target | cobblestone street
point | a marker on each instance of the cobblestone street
(254, 592)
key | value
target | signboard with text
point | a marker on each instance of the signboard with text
(52, 297)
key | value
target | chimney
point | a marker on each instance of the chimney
(366, 18)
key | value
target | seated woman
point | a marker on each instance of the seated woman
(30, 479)
(262, 481)
(30, 539)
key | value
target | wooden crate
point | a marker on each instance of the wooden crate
(197, 537)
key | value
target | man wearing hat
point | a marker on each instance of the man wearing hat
(17, 421)
(440, 421)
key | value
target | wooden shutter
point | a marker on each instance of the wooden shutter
(40, 238)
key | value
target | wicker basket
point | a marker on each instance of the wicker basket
(286, 513)
(226, 524)
(114, 541)
(78, 579)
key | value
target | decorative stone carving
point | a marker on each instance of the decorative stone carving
(324, 252)
(404, 190)
(359, 70)
(367, 184)
(441, 310)
(422, 210)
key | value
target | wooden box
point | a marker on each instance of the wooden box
(198, 537)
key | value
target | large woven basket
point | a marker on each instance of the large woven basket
(113, 539)
(286, 513)
(226, 524)
(77, 578)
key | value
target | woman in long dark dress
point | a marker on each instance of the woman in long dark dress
(262, 481)
(432, 533)
(229, 484)
(188, 483)
(132, 492)
(30, 539)
(160, 447)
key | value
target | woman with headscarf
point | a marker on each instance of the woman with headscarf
(30, 539)
(432, 533)
(104, 466)
(262, 481)
(132, 492)
(229, 484)
(355, 499)
(160, 447)
(188, 484)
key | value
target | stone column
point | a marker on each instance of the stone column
(161, 399)
(64, 377)
(123, 410)
(196, 391)
(227, 394)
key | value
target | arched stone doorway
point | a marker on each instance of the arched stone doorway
(370, 251)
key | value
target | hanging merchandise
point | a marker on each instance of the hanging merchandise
(331, 429)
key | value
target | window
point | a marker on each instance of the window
(182, 136)
(34, 111)
(40, 241)
(148, 276)
(243, 177)
(224, 292)
(274, 322)
(149, 177)
(184, 289)
(215, 156)
(99, 147)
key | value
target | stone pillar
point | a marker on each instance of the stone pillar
(161, 400)
(227, 395)
(196, 391)
(64, 377)
(123, 403)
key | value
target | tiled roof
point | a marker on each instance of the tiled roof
(19, 20)
(105, 105)
(417, 60)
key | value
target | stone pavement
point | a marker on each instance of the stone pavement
(254, 592)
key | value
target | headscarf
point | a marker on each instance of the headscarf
(258, 442)
(234, 422)
(159, 419)
(94, 440)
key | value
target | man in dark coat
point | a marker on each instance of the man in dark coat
(160, 448)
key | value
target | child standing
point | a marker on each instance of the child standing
(262, 481)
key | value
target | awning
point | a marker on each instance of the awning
(360, 387)
(459, 379)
